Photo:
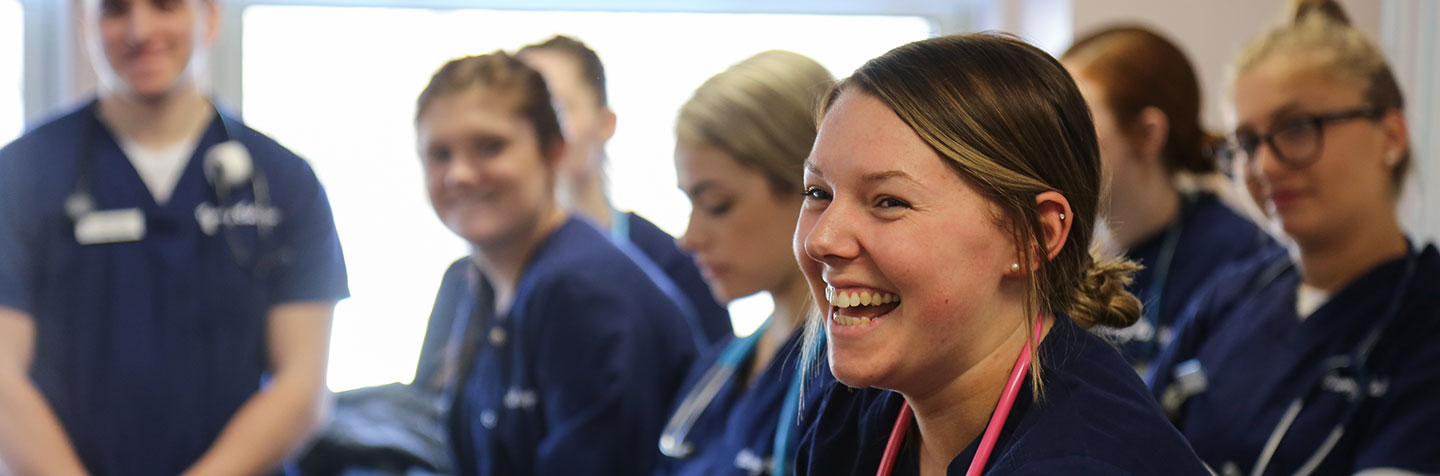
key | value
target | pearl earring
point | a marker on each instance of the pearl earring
(1062, 217)
(1014, 267)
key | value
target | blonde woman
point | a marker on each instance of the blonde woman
(741, 141)
(1320, 360)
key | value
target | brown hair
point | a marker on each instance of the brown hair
(1320, 30)
(590, 66)
(1137, 68)
(1007, 117)
(505, 77)
(761, 112)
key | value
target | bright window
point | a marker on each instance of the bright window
(344, 100)
(12, 62)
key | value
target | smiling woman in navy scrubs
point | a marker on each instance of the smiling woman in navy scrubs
(1322, 360)
(741, 141)
(957, 179)
(1146, 105)
(142, 302)
(564, 353)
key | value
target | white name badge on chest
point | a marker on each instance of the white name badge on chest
(110, 226)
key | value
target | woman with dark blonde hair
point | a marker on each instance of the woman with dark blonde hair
(1145, 102)
(741, 142)
(950, 200)
(1320, 360)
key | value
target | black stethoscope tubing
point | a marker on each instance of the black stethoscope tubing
(81, 200)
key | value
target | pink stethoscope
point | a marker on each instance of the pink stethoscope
(992, 431)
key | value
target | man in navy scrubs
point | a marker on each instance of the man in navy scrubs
(167, 275)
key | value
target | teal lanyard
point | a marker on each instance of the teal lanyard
(781, 459)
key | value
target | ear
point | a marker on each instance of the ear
(1054, 229)
(1397, 136)
(211, 10)
(607, 124)
(1153, 130)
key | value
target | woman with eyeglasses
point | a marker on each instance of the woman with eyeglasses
(1321, 360)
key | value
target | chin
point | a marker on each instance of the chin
(854, 371)
(479, 234)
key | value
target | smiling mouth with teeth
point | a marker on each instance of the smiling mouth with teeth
(859, 307)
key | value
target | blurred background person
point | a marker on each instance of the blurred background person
(576, 79)
(1320, 360)
(159, 260)
(957, 178)
(741, 143)
(563, 353)
(1145, 101)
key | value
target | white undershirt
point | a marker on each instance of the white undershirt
(160, 167)
(1309, 298)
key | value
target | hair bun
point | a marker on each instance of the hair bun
(1101, 298)
(1329, 9)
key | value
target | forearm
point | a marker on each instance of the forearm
(31, 438)
(270, 427)
(278, 420)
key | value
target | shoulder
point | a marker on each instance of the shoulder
(1068, 464)
(280, 163)
(1095, 405)
(848, 430)
(1420, 326)
(653, 241)
(41, 142)
(579, 265)
(1235, 280)
(577, 254)
(1225, 234)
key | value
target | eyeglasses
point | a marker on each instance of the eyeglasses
(1295, 142)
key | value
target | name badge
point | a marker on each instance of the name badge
(110, 226)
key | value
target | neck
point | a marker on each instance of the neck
(953, 416)
(159, 121)
(584, 194)
(792, 301)
(1144, 212)
(1331, 264)
(504, 263)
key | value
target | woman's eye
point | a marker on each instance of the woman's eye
(438, 155)
(489, 148)
(816, 193)
(720, 209)
(892, 202)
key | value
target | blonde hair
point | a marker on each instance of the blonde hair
(1319, 31)
(761, 111)
(1008, 118)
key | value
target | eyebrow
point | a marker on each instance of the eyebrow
(887, 175)
(811, 168)
(1285, 110)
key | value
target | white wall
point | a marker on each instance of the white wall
(1211, 32)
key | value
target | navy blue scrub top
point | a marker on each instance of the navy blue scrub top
(735, 434)
(713, 318)
(576, 377)
(145, 349)
(1095, 419)
(1259, 357)
(1206, 237)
